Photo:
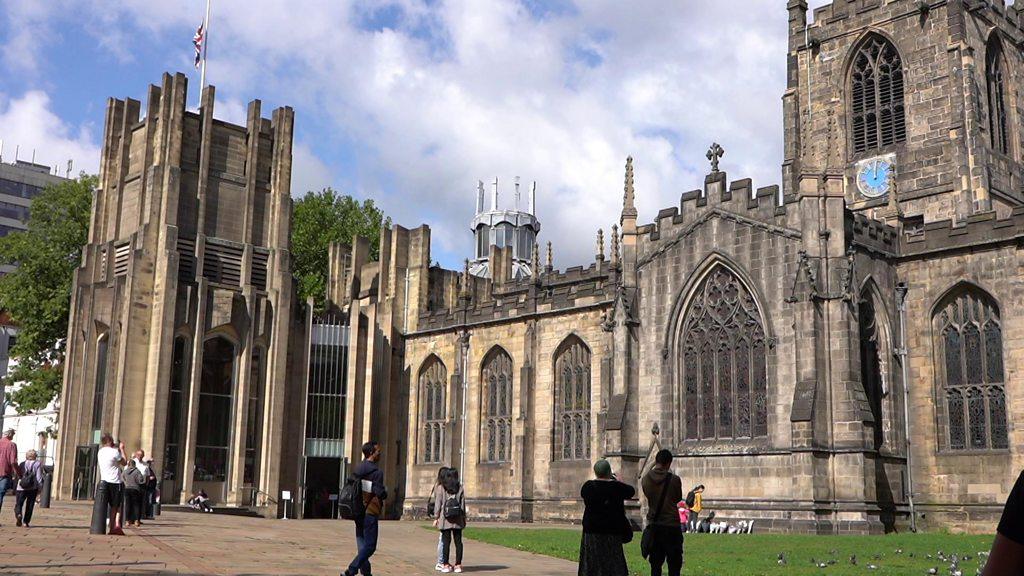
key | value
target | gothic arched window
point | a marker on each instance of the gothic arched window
(724, 366)
(572, 400)
(496, 423)
(973, 396)
(997, 124)
(877, 116)
(433, 378)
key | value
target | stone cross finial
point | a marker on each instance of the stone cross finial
(715, 152)
(600, 244)
(615, 244)
(550, 259)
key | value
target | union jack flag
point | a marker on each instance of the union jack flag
(197, 41)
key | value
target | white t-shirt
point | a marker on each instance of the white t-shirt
(142, 468)
(109, 459)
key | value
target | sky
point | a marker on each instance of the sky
(411, 102)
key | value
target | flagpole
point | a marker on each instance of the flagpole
(206, 42)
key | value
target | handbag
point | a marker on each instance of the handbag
(627, 529)
(647, 539)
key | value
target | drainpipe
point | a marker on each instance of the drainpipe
(901, 303)
(464, 345)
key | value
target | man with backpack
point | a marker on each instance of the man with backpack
(663, 538)
(369, 481)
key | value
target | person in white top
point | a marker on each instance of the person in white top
(109, 460)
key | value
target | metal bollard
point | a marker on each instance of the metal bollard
(99, 511)
(44, 497)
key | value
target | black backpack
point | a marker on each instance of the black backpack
(28, 482)
(350, 500)
(453, 508)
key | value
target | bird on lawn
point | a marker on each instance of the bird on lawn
(853, 559)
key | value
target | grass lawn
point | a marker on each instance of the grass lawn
(725, 554)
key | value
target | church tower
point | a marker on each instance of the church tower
(911, 103)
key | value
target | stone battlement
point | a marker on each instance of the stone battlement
(550, 292)
(980, 229)
(739, 198)
(872, 234)
(842, 9)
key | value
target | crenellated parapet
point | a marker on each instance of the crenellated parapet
(978, 230)
(548, 293)
(872, 234)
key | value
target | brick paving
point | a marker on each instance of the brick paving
(190, 543)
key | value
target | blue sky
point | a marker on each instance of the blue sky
(410, 102)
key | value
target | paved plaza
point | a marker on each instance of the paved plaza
(180, 542)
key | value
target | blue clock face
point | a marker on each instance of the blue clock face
(873, 177)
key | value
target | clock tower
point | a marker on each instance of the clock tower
(908, 98)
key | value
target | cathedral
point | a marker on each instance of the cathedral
(835, 354)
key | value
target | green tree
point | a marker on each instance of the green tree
(319, 219)
(37, 294)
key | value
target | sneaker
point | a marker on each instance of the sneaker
(438, 567)
(17, 520)
(26, 525)
(446, 569)
(458, 568)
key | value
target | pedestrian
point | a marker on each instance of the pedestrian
(660, 485)
(431, 512)
(200, 501)
(31, 473)
(134, 483)
(110, 490)
(8, 463)
(694, 501)
(605, 526)
(149, 495)
(684, 515)
(450, 519)
(1006, 558)
(371, 480)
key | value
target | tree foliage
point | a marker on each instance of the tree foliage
(319, 219)
(37, 294)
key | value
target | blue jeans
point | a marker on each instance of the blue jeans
(366, 541)
(6, 482)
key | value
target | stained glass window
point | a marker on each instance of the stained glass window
(496, 424)
(433, 381)
(876, 96)
(572, 397)
(970, 332)
(996, 96)
(724, 364)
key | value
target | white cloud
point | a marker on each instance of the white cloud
(433, 96)
(29, 124)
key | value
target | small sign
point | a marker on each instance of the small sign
(286, 495)
(333, 497)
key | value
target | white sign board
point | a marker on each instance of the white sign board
(286, 495)
(333, 497)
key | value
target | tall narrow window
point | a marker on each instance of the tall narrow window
(973, 395)
(215, 398)
(99, 390)
(877, 117)
(572, 400)
(496, 423)
(724, 367)
(997, 124)
(433, 380)
(254, 417)
(870, 364)
(176, 408)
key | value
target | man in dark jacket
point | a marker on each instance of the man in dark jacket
(662, 487)
(374, 494)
